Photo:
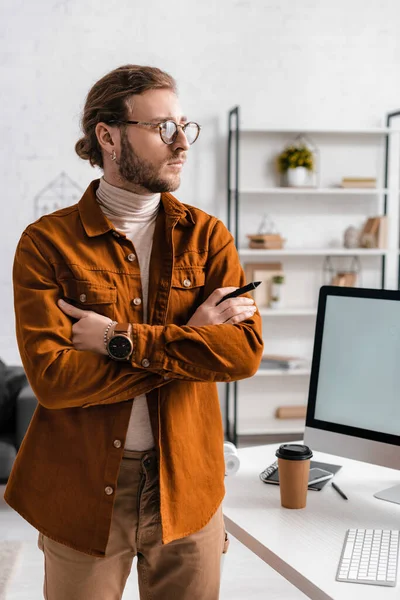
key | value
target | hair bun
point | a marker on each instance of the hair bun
(82, 148)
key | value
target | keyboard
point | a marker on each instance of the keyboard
(369, 556)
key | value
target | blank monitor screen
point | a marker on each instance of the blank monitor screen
(354, 399)
(359, 364)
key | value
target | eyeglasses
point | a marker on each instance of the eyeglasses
(169, 129)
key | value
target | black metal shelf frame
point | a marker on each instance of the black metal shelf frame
(233, 198)
(389, 117)
(233, 226)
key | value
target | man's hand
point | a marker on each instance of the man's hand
(233, 310)
(88, 332)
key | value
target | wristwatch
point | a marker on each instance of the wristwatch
(120, 345)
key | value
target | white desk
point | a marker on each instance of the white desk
(304, 545)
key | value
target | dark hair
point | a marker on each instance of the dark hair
(109, 100)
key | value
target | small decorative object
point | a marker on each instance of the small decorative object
(351, 237)
(267, 237)
(297, 177)
(59, 193)
(374, 233)
(297, 163)
(262, 272)
(276, 291)
(343, 277)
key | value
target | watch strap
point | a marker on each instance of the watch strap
(123, 328)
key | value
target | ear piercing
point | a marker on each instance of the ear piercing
(113, 155)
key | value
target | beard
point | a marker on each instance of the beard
(141, 172)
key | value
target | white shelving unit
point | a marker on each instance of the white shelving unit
(312, 220)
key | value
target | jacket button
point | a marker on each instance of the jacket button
(108, 490)
(115, 234)
(145, 362)
(187, 282)
(137, 301)
(82, 297)
(117, 443)
(131, 257)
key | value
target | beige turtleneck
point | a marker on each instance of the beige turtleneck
(135, 216)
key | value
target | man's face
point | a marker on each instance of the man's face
(144, 159)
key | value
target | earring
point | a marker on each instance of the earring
(113, 155)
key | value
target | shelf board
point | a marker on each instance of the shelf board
(275, 426)
(288, 312)
(311, 191)
(343, 131)
(281, 372)
(314, 252)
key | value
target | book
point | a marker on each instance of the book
(353, 179)
(291, 412)
(358, 185)
(358, 182)
(382, 232)
(271, 474)
(374, 233)
(271, 241)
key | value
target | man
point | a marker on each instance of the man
(122, 338)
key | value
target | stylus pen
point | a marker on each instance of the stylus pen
(240, 291)
(339, 491)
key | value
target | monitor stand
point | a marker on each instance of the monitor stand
(391, 494)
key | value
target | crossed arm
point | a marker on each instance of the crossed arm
(67, 365)
(88, 332)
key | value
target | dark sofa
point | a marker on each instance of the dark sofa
(24, 406)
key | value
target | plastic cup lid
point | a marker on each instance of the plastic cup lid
(294, 452)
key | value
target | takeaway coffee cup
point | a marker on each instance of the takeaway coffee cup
(293, 469)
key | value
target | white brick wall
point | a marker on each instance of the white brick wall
(314, 63)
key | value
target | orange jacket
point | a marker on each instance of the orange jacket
(64, 477)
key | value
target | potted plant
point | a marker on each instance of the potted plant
(276, 291)
(297, 162)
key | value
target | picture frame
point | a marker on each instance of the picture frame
(262, 272)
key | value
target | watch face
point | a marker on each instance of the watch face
(120, 346)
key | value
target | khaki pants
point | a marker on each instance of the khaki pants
(185, 569)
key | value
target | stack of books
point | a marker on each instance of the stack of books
(358, 182)
(274, 361)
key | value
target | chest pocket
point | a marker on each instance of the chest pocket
(90, 296)
(187, 287)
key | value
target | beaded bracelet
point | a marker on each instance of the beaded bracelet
(106, 332)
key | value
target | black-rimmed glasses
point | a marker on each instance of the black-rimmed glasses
(169, 129)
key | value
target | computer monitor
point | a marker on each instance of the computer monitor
(354, 395)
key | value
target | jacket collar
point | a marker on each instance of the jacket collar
(176, 209)
(96, 223)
